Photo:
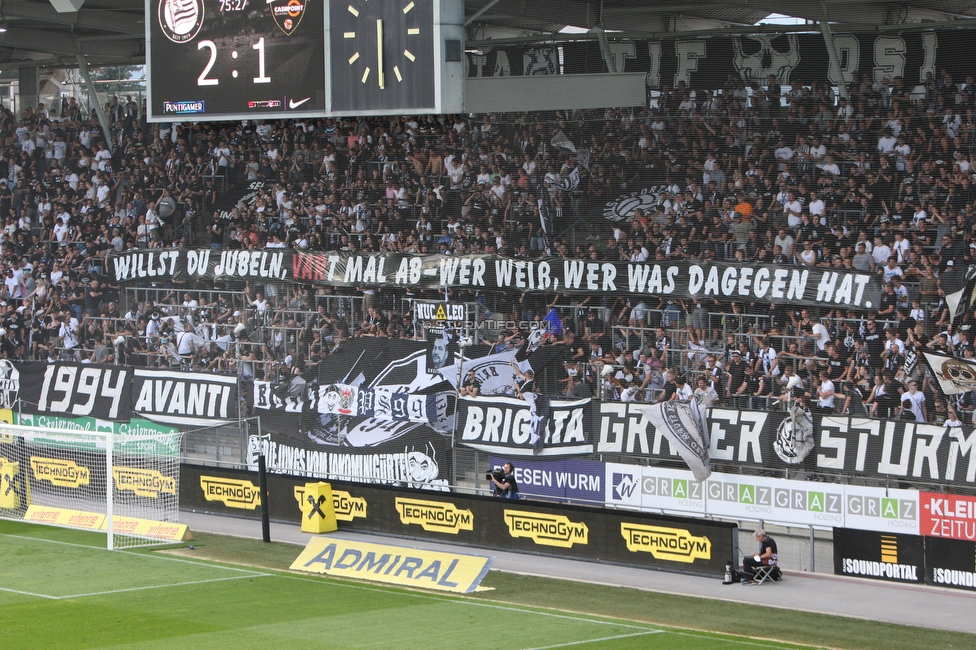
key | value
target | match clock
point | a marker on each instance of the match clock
(382, 56)
(251, 59)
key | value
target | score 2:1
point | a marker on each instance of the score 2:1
(204, 80)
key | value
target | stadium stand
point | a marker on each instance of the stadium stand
(762, 174)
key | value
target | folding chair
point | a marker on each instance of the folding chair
(765, 572)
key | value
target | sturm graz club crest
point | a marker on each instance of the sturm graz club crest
(623, 207)
(180, 20)
(794, 437)
(287, 14)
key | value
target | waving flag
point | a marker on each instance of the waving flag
(553, 324)
(685, 426)
(560, 141)
(955, 375)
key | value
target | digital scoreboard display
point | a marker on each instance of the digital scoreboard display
(280, 59)
(236, 58)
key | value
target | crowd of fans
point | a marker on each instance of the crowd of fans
(880, 182)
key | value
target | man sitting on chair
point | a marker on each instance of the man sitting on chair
(767, 556)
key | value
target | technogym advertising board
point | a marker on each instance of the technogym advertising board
(620, 537)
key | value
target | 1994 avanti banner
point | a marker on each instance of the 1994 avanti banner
(673, 279)
(116, 393)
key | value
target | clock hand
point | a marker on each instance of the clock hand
(379, 53)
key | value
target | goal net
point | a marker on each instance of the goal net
(125, 486)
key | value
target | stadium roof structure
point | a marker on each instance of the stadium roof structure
(53, 32)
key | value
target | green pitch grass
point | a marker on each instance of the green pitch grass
(58, 588)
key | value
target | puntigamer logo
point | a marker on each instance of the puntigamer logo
(673, 544)
(346, 506)
(62, 473)
(144, 482)
(233, 493)
(434, 516)
(545, 529)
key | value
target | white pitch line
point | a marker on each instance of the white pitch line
(28, 593)
(53, 541)
(606, 638)
(148, 587)
(154, 557)
(459, 601)
(718, 636)
(198, 563)
(723, 636)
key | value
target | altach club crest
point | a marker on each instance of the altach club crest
(287, 14)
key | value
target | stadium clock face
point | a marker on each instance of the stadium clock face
(213, 59)
(382, 55)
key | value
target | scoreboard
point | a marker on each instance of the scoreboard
(272, 59)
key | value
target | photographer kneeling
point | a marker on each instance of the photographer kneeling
(503, 482)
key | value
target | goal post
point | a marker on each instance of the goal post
(122, 485)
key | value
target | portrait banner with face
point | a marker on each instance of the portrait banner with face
(442, 346)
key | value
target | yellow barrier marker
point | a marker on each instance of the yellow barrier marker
(318, 511)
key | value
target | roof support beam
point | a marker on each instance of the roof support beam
(66, 6)
(36, 40)
(556, 38)
(832, 55)
(93, 97)
(112, 21)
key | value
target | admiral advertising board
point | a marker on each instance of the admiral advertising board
(621, 537)
(881, 556)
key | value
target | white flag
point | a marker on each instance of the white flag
(560, 141)
(952, 302)
(584, 158)
(572, 181)
(685, 426)
(955, 375)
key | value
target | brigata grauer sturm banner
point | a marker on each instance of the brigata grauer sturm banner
(845, 445)
(770, 284)
(504, 425)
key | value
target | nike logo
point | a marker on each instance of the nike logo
(293, 104)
